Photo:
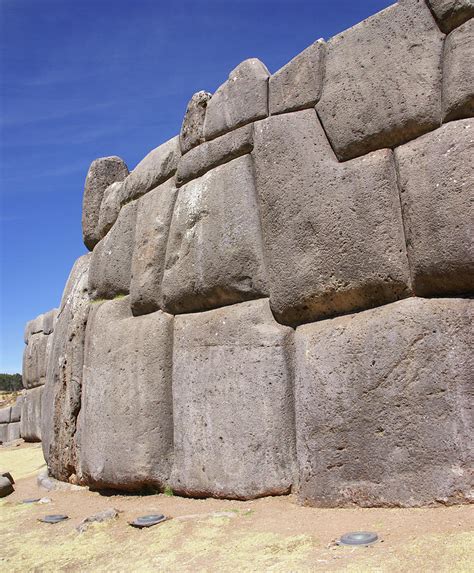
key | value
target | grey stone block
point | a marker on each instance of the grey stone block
(3, 433)
(214, 153)
(16, 409)
(13, 431)
(158, 166)
(370, 100)
(375, 425)
(110, 207)
(214, 253)
(298, 84)
(30, 424)
(436, 180)
(333, 232)
(101, 174)
(111, 263)
(49, 319)
(192, 129)
(126, 421)
(458, 73)
(241, 99)
(5, 414)
(34, 360)
(33, 327)
(451, 13)
(232, 403)
(154, 213)
(61, 400)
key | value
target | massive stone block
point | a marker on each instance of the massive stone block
(101, 174)
(5, 414)
(437, 179)
(369, 99)
(192, 129)
(111, 263)
(49, 318)
(15, 414)
(34, 360)
(3, 433)
(232, 403)
(451, 13)
(61, 400)
(126, 422)
(214, 153)
(241, 99)
(214, 254)
(298, 84)
(382, 405)
(30, 423)
(110, 207)
(158, 166)
(333, 233)
(154, 213)
(458, 73)
(33, 327)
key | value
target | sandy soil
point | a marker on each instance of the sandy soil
(270, 534)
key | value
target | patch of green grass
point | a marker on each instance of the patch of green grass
(168, 491)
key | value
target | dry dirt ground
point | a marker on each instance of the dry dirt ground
(270, 534)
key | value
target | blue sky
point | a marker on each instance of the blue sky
(90, 78)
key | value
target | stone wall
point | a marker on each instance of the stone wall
(277, 299)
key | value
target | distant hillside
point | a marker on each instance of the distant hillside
(10, 382)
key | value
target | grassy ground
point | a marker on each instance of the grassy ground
(271, 534)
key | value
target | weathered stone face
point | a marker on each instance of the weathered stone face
(214, 254)
(153, 221)
(458, 73)
(30, 423)
(61, 400)
(192, 129)
(369, 100)
(34, 360)
(451, 13)
(126, 422)
(382, 402)
(102, 173)
(333, 233)
(110, 208)
(298, 84)
(232, 386)
(241, 99)
(437, 179)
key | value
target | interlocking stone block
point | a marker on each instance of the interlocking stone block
(61, 400)
(34, 360)
(49, 319)
(30, 423)
(110, 207)
(154, 213)
(3, 433)
(101, 174)
(458, 73)
(437, 179)
(192, 129)
(33, 327)
(241, 99)
(383, 80)
(214, 254)
(158, 166)
(214, 153)
(232, 403)
(451, 13)
(298, 84)
(15, 415)
(111, 264)
(333, 232)
(5, 414)
(13, 431)
(382, 405)
(126, 421)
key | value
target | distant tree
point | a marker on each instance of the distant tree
(10, 382)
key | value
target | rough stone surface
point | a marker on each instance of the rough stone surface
(110, 207)
(13, 432)
(61, 399)
(213, 153)
(6, 487)
(126, 422)
(5, 414)
(333, 233)
(298, 84)
(241, 99)
(192, 129)
(30, 424)
(3, 433)
(154, 213)
(101, 174)
(436, 180)
(34, 360)
(232, 388)
(49, 320)
(451, 13)
(458, 73)
(33, 327)
(383, 80)
(106, 515)
(214, 254)
(160, 164)
(17, 408)
(111, 263)
(382, 405)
